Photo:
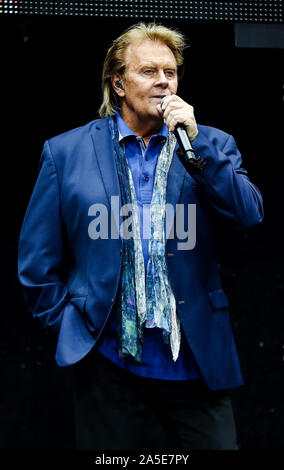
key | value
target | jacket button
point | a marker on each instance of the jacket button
(111, 300)
(120, 252)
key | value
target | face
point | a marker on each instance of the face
(151, 74)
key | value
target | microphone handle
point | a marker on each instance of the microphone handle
(184, 142)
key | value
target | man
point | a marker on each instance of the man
(140, 313)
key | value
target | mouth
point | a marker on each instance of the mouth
(159, 97)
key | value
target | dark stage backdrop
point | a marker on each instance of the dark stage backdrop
(50, 83)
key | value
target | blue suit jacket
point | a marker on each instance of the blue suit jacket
(70, 280)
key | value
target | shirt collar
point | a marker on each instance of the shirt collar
(124, 131)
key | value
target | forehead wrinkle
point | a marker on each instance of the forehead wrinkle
(133, 47)
(150, 63)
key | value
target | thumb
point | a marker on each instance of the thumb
(160, 111)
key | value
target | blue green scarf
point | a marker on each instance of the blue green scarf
(144, 302)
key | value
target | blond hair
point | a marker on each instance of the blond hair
(115, 61)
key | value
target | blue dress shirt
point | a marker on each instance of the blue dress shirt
(157, 359)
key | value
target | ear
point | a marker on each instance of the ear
(119, 91)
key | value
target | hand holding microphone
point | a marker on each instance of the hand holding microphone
(179, 117)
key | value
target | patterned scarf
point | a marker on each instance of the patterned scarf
(145, 303)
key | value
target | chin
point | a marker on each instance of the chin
(156, 115)
(153, 115)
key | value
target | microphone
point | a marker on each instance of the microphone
(189, 158)
(184, 142)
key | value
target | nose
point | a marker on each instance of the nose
(161, 79)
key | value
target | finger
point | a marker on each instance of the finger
(179, 115)
(176, 118)
(160, 111)
(179, 106)
(172, 123)
(183, 115)
(163, 104)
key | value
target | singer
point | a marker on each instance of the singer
(143, 325)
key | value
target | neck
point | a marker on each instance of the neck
(144, 129)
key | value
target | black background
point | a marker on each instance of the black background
(50, 82)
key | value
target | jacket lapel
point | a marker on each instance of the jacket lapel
(105, 157)
(174, 185)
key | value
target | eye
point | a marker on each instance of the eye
(170, 73)
(148, 71)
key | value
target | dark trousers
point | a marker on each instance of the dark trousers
(118, 410)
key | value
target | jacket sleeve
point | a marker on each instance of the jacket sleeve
(225, 184)
(41, 255)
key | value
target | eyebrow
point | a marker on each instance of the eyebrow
(153, 65)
